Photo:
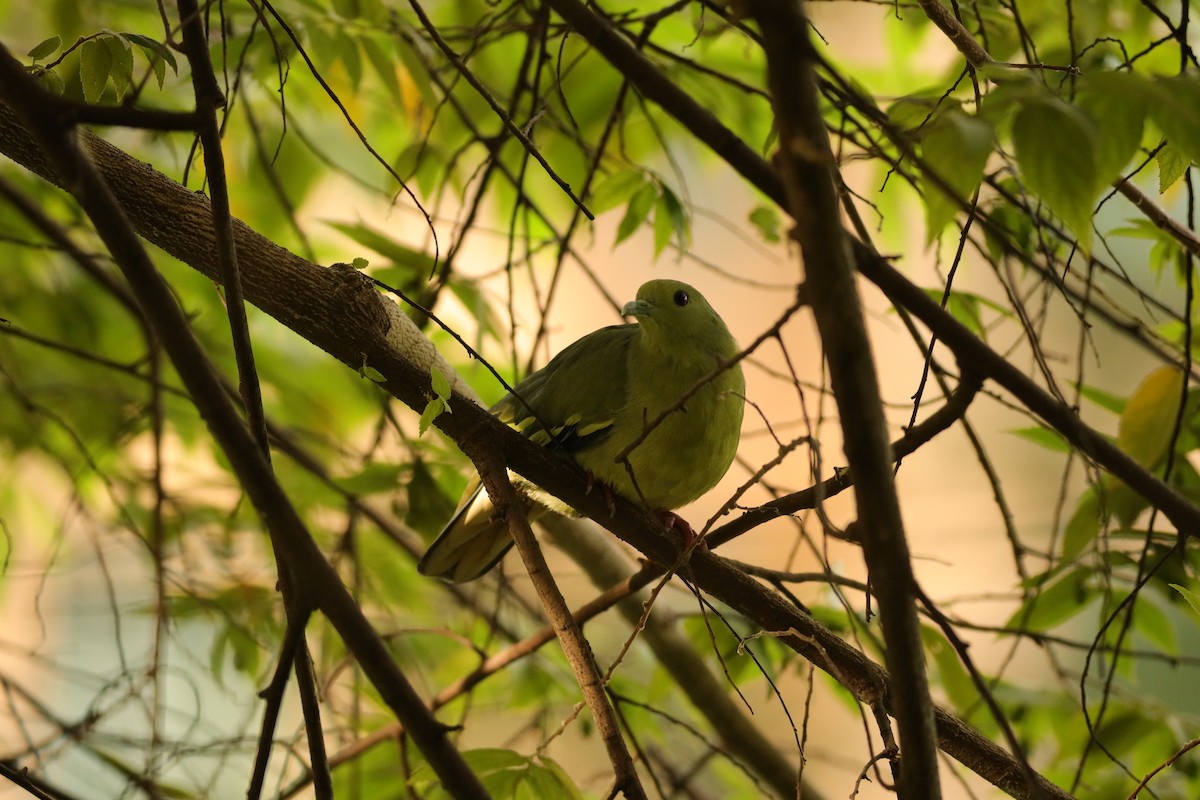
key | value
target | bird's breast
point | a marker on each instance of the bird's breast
(688, 444)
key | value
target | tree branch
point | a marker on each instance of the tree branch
(494, 473)
(808, 168)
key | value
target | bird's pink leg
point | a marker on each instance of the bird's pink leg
(672, 521)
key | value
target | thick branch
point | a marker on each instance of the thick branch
(807, 164)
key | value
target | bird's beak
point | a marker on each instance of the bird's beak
(636, 308)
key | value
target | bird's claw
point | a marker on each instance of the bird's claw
(609, 498)
(672, 521)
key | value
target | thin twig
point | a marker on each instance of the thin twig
(512, 127)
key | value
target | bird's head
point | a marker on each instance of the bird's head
(672, 312)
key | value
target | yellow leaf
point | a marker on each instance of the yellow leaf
(1144, 431)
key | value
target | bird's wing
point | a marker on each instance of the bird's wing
(570, 404)
(567, 405)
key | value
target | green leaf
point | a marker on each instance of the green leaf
(473, 296)
(1055, 604)
(428, 505)
(662, 225)
(1146, 424)
(372, 374)
(1117, 101)
(566, 785)
(1166, 249)
(1172, 164)
(45, 48)
(400, 254)
(615, 189)
(375, 478)
(347, 49)
(1175, 109)
(1153, 623)
(1043, 437)
(1084, 525)
(952, 676)
(416, 71)
(433, 410)
(681, 223)
(121, 72)
(95, 62)
(347, 9)
(383, 64)
(1106, 400)
(1193, 599)
(154, 50)
(636, 212)
(1056, 147)
(440, 383)
(766, 220)
(956, 147)
(157, 54)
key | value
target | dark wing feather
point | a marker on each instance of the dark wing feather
(569, 404)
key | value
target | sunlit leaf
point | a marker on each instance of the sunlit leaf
(765, 220)
(1146, 424)
(1192, 597)
(1172, 165)
(45, 48)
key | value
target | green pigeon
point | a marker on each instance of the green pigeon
(594, 399)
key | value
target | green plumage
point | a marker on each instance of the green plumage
(595, 397)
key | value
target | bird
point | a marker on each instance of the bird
(597, 397)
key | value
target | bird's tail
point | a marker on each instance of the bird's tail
(473, 541)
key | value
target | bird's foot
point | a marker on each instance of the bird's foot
(609, 497)
(672, 521)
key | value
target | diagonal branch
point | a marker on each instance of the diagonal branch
(575, 647)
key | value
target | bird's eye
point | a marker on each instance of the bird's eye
(681, 298)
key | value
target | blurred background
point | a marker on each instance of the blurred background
(141, 614)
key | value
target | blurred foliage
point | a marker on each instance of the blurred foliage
(139, 678)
